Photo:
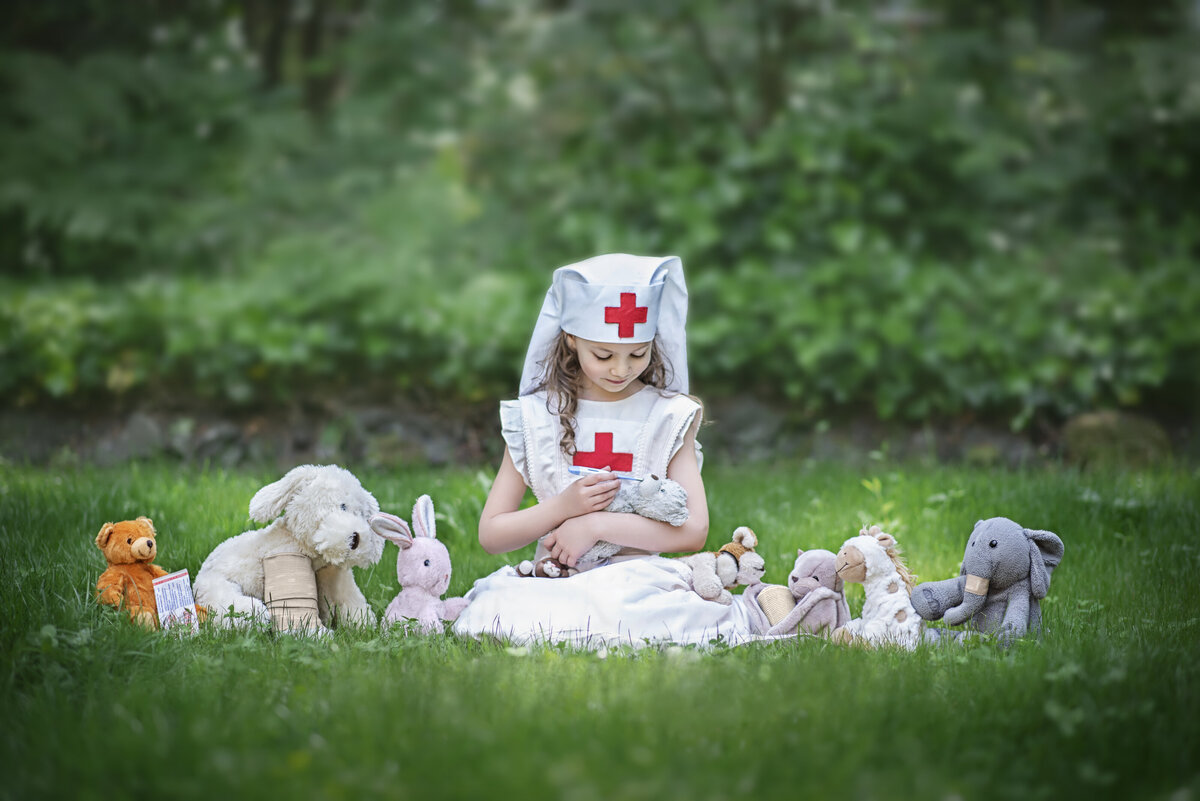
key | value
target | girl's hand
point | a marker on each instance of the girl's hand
(592, 493)
(573, 539)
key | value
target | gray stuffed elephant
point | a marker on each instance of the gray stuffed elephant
(1005, 571)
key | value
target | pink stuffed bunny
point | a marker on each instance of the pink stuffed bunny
(423, 568)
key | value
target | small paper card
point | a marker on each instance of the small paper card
(176, 604)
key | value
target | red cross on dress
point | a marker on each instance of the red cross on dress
(603, 456)
(626, 314)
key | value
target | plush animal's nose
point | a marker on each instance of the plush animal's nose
(354, 541)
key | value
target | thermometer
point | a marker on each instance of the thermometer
(579, 470)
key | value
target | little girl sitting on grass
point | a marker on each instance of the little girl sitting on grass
(604, 386)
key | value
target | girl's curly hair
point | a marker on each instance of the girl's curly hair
(562, 379)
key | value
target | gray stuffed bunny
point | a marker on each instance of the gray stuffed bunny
(656, 498)
(1005, 571)
(653, 497)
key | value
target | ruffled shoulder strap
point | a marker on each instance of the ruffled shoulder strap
(512, 428)
(676, 415)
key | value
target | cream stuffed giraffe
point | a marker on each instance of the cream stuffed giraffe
(888, 617)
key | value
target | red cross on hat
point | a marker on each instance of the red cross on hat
(625, 315)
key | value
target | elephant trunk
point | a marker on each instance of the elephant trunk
(974, 594)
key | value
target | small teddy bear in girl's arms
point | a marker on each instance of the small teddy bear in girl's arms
(652, 497)
(423, 568)
(130, 547)
(734, 563)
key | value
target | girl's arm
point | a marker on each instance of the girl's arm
(575, 536)
(504, 526)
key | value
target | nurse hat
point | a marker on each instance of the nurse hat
(614, 298)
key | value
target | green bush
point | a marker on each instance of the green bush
(1009, 337)
(912, 340)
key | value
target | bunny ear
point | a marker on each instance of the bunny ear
(270, 501)
(391, 528)
(423, 518)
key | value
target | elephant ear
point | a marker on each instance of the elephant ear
(1045, 554)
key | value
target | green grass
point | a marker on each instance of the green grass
(1105, 705)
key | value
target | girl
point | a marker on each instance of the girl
(603, 387)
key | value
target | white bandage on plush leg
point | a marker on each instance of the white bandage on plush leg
(776, 601)
(290, 591)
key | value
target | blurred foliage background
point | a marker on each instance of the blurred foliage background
(913, 209)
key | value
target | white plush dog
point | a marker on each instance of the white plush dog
(325, 512)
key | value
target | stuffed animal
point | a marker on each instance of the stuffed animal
(423, 568)
(321, 511)
(734, 563)
(546, 567)
(888, 618)
(1005, 572)
(655, 498)
(130, 547)
(819, 592)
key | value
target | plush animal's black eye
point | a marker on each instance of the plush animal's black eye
(343, 507)
(129, 541)
(993, 544)
(426, 563)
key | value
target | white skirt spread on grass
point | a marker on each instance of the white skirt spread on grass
(635, 601)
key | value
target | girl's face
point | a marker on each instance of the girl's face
(610, 370)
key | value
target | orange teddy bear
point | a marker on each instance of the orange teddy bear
(130, 548)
